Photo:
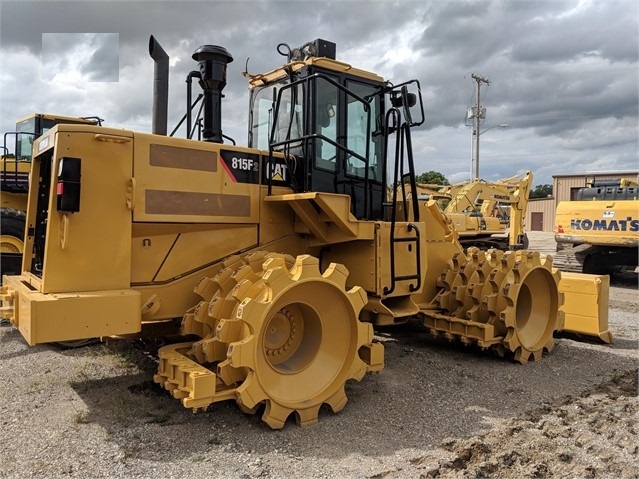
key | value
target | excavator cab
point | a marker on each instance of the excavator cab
(329, 122)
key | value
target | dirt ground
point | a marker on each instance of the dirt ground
(436, 410)
(590, 434)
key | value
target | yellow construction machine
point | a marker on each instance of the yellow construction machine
(598, 232)
(485, 214)
(14, 182)
(490, 214)
(270, 263)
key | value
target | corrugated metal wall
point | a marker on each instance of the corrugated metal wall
(563, 184)
(540, 214)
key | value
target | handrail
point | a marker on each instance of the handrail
(403, 143)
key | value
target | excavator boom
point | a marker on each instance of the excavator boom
(490, 214)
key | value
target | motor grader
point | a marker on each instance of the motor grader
(268, 266)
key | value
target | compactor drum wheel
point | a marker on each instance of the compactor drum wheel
(287, 338)
(514, 293)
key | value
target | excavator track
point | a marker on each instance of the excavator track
(573, 259)
(273, 333)
(486, 298)
(594, 259)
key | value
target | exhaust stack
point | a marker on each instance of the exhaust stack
(212, 61)
(160, 87)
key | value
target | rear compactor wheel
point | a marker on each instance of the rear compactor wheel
(288, 339)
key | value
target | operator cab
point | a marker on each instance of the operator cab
(328, 120)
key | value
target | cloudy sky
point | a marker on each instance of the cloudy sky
(563, 73)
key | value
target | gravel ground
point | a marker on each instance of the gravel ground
(436, 410)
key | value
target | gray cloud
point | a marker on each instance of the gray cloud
(104, 62)
(563, 73)
(93, 56)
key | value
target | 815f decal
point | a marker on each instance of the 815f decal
(244, 167)
(241, 167)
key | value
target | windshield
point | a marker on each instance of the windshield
(290, 115)
(26, 133)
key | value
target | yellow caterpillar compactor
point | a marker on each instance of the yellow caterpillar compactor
(273, 262)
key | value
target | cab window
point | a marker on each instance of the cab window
(288, 123)
(326, 121)
(356, 124)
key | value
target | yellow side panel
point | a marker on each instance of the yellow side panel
(148, 252)
(179, 180)
(161, 252)
(360, 253)
(193, 250)
(90, 250)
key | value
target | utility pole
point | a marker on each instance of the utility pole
(478, 117)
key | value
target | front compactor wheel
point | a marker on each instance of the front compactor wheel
(515, 292)
(532, 312)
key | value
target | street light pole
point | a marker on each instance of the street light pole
(477, 133)
(479, 81)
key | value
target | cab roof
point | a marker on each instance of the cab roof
(321, 62)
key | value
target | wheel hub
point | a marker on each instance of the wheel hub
(283, 335)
